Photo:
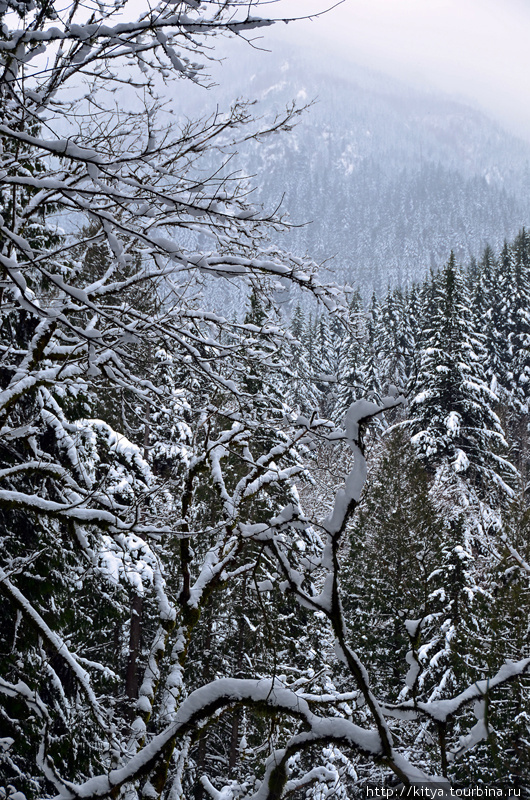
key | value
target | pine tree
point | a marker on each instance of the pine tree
(302, 391)
(397, 569)
(351, 364)
(371, 373)
(452, 416)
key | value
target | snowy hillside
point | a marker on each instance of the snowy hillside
(390, 179)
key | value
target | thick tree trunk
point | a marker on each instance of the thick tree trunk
(198, 789)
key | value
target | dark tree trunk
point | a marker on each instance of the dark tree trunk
(233, 756)
(131, 679)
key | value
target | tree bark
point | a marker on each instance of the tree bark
(131, 679)
(233, 756)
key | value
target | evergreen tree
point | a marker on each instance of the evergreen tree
(395, 341)
(406, 597)
(351, 364)
(514, 333)
(371, 373)
(519, 319)
(397, 574)
(499, 632)
(302, 391)
(325, 365)
(452, 415)
(490, 316)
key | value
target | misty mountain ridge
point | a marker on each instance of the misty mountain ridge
(390, 178)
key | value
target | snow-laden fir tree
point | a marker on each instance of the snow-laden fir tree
(302, 391)
(396, 345)
(371, 374)
(490, 293)
(518, 318)
(350, 367)
(498, 631)
(452, 412)
(397, 572)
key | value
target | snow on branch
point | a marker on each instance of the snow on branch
(442, 710)
(204, 703)
(58, 644)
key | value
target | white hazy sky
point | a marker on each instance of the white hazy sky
(476, 49)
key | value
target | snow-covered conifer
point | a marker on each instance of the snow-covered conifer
(351, 365)
(452, 413)
(155, 554)
(396, 574)
(371, 373)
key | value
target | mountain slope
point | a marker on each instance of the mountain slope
(389, 178)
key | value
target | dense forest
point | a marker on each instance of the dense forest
(442, 531)
(242, 556)
(391, 179)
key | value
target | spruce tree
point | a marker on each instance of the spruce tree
(490, 316)
(397, 573)
(325, 373)
(498, 629)
(519, 319)
(514, 329)
(371, 372)
(351, 362)
(395, 341)
(452, 414)
(302, 391)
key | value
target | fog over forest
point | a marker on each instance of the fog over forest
(389, 178)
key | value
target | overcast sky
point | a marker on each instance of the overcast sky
(476, 49)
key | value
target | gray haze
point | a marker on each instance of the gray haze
(475, 49)
(406, 155)
(390, 177)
